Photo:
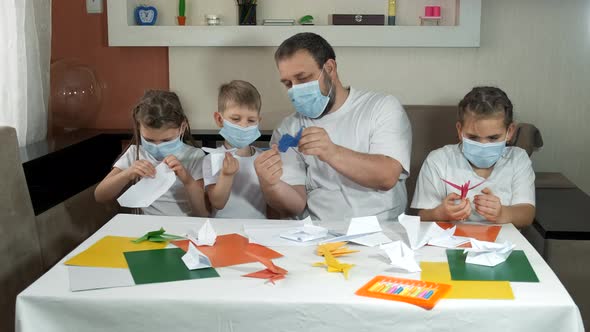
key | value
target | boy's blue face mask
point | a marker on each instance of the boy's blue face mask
(162, 150)
(237, 136)
(483, 155)
(307, 98)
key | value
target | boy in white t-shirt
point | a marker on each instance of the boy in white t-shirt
(503, 177)
(231, 184)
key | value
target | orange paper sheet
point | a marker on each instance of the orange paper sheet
(231, 249)
(478, 232)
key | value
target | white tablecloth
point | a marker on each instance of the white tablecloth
(309, 299)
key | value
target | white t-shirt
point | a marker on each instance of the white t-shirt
(245, 200)
(369, 123)
(175, 201)
(512, 179)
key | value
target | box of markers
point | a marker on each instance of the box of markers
(424, 294)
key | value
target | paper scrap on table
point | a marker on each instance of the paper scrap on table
(307, 232)
(272, 272)
(269, 234)
(157, 236)
(217, 156)
(464, 188)
(488, 253)
(359, 231)
(401, 256)
(89, 278)
(287, 141)
(148, 190)
(334, 265)
(336, 249)
(446, 239)
(206, 235)
(194, 259)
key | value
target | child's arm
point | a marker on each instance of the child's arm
(114, 183)
(219, 192)
(194, 188)
(447, 210)
(491, 208)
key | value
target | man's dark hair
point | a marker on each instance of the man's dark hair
(315, 45)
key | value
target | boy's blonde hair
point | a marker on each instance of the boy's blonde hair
(238, 93)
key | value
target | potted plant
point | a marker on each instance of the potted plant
(181, 12)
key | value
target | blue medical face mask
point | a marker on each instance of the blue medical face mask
(483, 155)
(162, 150)
(308, 100)
(237, 136)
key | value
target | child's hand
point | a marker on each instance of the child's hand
(140, 169)
(230, 165)
(448, 210)
(488, 205)
(178, 169)
(269, 167)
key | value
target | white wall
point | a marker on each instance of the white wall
(538, 51)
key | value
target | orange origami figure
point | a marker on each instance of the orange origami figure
(334, 265)
(272, 272)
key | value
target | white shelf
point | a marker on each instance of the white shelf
(466, 34)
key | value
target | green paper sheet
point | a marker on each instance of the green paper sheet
(162, 265)
(516, 268)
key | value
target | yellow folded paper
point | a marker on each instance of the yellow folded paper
(491, 290)
(108, 252)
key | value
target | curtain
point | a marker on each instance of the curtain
(25, 46)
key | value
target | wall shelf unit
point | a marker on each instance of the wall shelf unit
(123, 32)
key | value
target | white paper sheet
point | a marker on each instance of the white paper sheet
(488, 253)
(358, 228)
(87, 278)
(217, 156)
(148, 190)
(446, 239)
(372, 240)
(206, 235)
(194, 259)
(401, 256)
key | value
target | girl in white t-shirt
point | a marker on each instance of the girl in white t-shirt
(502, 177)
(160, 129)
(229, 176)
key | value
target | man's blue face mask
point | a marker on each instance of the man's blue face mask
(307, 98)
(483, 155)
(237, 136)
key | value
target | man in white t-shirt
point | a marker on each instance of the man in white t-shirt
(354, 153)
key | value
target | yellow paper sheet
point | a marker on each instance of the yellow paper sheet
(108, 252)
(492, 290)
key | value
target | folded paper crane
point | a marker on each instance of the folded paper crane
(288, 141)
(464, 189)
(157, 236)
(336, 249)
(272, 272)
(334, 265)
(206, 235)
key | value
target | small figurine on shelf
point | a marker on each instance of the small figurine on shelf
(181, 12)
(146, 15)
(306, 20)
